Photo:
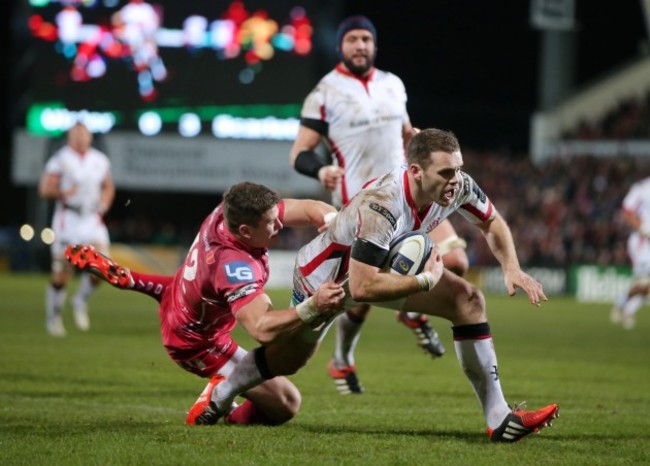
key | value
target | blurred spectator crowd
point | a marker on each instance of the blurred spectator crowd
(565, 212)
(629, 119)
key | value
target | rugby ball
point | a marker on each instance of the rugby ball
(408, 253)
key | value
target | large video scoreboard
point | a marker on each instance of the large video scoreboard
(222, 67)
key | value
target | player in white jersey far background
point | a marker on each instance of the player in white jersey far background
(636, 214)
(78, 177)
(359, 112)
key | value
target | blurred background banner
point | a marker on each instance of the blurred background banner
(200, 164)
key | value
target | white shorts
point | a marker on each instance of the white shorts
(72, 228)
(638, 248)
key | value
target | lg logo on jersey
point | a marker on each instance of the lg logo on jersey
(238, 272)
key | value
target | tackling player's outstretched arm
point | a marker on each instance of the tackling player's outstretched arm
(266, 325)
(305, 212)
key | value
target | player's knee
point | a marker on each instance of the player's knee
(471, 304)
(58, 280)
(292, 400)
(289, 403)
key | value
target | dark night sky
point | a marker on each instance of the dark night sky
(468, 65)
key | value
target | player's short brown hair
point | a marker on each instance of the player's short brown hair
(245, 203)
(428, 141)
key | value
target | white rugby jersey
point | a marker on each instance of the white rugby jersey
(637, 200)
(380, 212)
(86, 171)
(364, 124)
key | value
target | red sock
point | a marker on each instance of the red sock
(151, 285)
(248, 413)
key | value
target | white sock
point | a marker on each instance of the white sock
(413, 315)
(54, 300)
(245, 375)
(633, 304)
(347, 337)
(479, 362)
(86, 287)
(620, 302)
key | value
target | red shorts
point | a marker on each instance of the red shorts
(205, 361)
(203, 357)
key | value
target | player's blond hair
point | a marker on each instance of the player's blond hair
(245, 203)
(428, 141)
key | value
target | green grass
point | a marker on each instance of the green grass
(112, 396)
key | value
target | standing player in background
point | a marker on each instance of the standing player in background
(360, 113)
(221, 283)
(78, 177)
(636, 214)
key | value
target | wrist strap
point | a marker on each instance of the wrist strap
(308, 163)
(307, 310)
(425, 280)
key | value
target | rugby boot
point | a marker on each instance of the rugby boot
(85, 257)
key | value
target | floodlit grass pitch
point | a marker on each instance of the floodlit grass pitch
(112, 396)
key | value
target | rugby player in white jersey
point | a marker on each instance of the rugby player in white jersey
(359, 112)
(636, 214)
(78, 178)
(354, 248)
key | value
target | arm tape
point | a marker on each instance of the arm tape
(320, 126)
(368, 253)
(308, 163)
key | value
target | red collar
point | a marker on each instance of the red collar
(409, 200)
(364, 79)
